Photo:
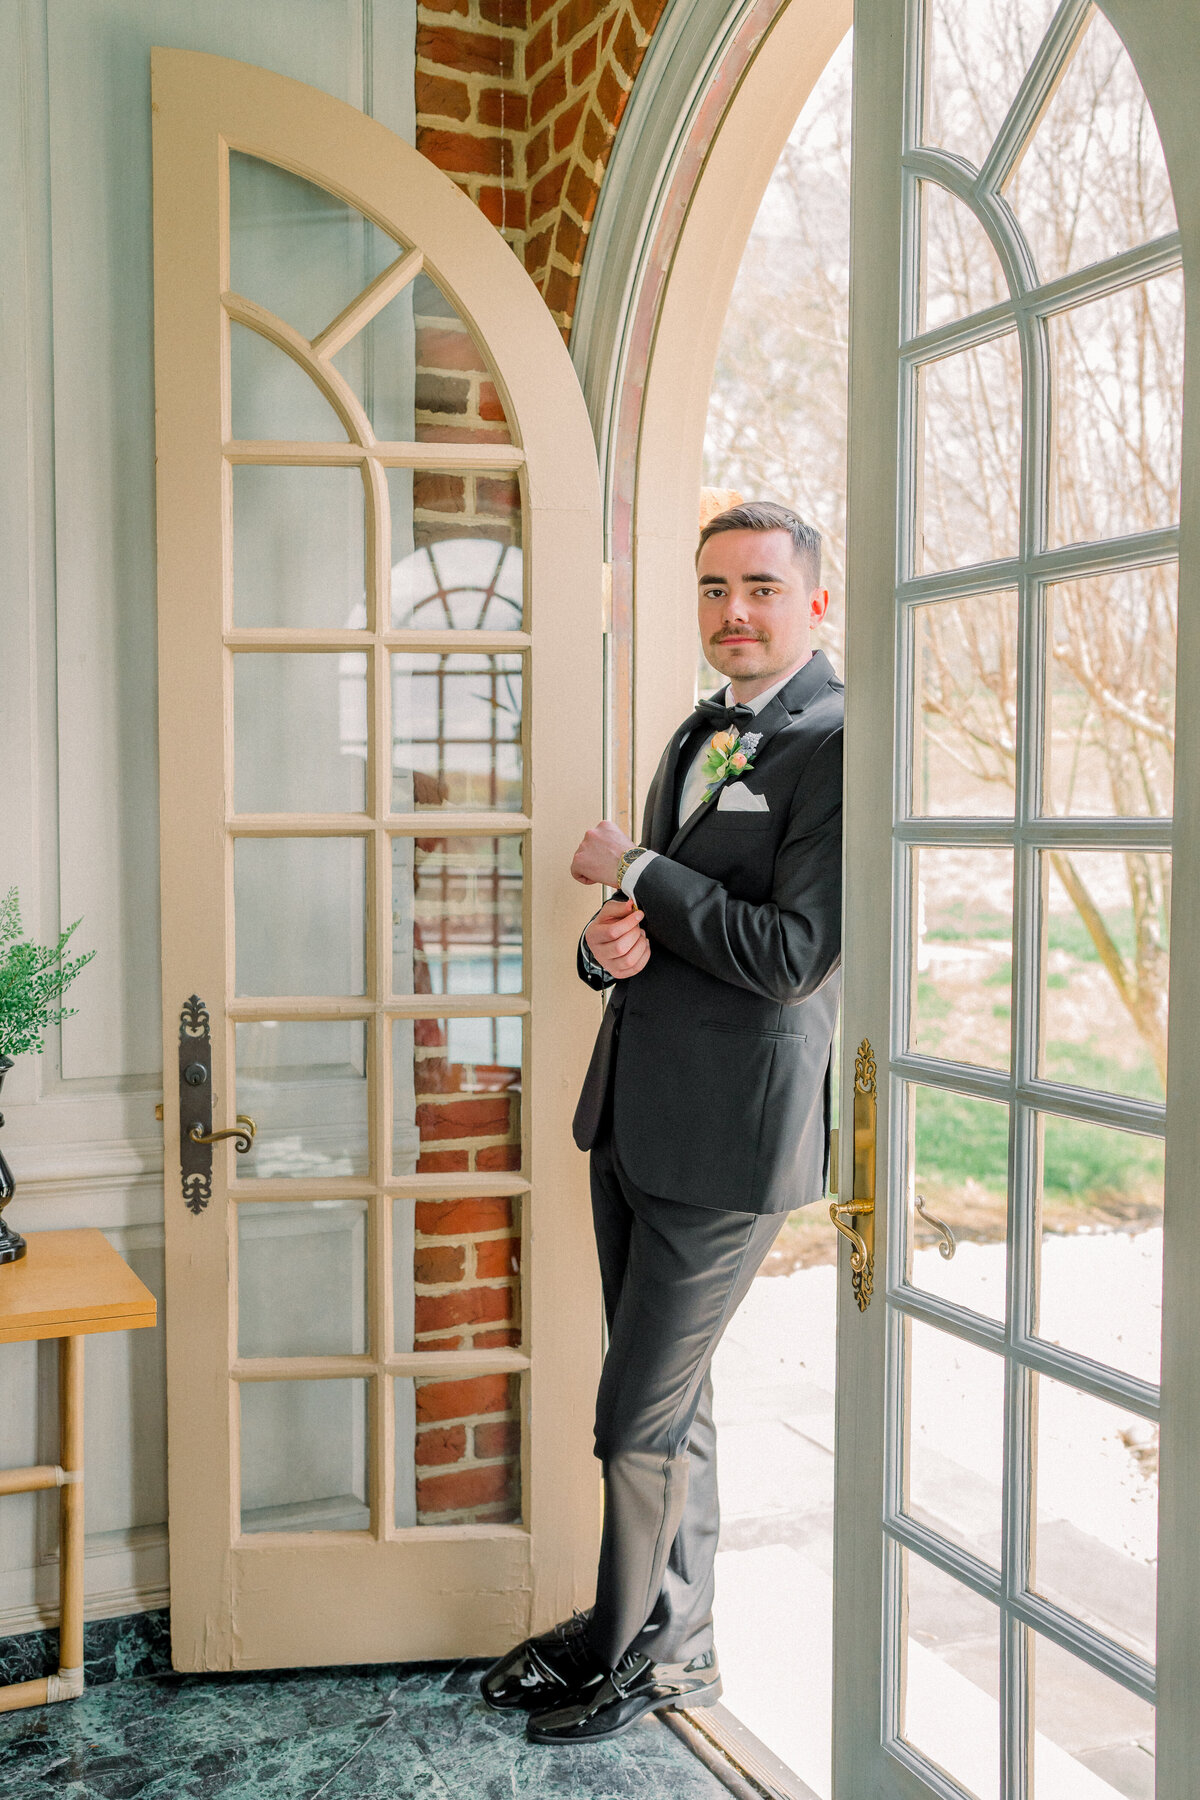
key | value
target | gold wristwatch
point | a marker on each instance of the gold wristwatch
(628, 857)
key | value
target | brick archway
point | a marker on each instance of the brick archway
(519, 102)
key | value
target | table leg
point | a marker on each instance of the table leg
(70, 1525)
(67, 1475)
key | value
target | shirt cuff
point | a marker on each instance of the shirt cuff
(590, 964)
(635, 868)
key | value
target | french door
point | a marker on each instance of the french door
(1020, 908)
(379, 621)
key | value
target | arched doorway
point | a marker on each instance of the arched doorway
(1032, 1622)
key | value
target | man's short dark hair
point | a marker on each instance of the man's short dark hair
(765, 515)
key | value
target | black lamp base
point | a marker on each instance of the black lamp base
(12, 1244)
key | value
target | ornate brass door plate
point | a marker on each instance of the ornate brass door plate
(855, 1218)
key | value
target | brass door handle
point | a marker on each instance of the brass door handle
(243, 1131)
(855, 1218)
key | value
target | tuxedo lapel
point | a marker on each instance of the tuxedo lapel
(788, 703)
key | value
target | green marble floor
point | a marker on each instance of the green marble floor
(387, 1733)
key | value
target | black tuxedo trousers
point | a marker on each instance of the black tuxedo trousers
(673, 1277)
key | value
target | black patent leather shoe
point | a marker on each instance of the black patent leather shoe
(635, 1687)
(547, 1671)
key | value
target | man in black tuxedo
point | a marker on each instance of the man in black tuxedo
(706, 1107)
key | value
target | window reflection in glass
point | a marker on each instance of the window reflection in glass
(457, 915)
(456, 1095)
(320, 769)
(298, 546)
(304, 1083)
(456, 551)
(456, 731)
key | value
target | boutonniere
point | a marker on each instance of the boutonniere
(730, 754)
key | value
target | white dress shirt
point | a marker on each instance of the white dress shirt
(692, 793)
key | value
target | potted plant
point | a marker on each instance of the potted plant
(32, 978)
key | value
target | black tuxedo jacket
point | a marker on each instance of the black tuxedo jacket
(715, 1057)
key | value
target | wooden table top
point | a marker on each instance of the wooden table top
(71, 1283)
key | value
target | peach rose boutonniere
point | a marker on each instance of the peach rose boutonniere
(730, 754)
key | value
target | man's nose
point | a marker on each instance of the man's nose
(736, 610)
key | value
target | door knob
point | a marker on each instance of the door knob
(243, 1131)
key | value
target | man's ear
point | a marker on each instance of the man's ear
(818, 605)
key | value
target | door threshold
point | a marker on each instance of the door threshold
(733, 1753)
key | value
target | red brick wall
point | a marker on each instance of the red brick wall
(519, 101)
(467, 1293)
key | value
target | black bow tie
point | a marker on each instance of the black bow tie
(716, 716)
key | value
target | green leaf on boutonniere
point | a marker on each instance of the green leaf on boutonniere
(729, 755)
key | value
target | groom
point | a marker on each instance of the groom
(705, 1108)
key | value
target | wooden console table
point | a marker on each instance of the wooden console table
(68, 1285)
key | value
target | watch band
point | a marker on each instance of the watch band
(627, 858)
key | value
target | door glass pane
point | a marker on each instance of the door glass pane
(1102, 1244)
(1110, 728)
(960, 272)
(322, 768)
(302, 1278)
(1093, 181)
(1104, 1002)
(969, 411)
(296, 248)
(951, 1692)
(456, 551)
(1093, 1737)
(959, 1170)
(304, 1455)
(457, 1273)
(273, 397)
(975, 59)
(458, 1451)
(1117, 373)
(422, 373)
(456, 1087)
(965, 706)
(456, 731)
(300, 915)
(962, 979)
(1096, 1548)
(298, 544)
(955, 1453)
(304, 1082)
(457, 915)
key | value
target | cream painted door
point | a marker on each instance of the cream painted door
(1023, 684)
(379, 618)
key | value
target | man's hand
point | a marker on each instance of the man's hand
(598, 855)
(616, 939)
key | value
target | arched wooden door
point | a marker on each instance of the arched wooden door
(379, 618)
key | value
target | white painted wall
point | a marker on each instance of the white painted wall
(78, 786)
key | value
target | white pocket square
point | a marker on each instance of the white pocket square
(736, 798)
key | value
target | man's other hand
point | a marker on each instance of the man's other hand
(598, 855)
(616, 939)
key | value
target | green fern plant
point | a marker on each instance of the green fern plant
(32, 978)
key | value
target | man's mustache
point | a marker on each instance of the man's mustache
(760, 637)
